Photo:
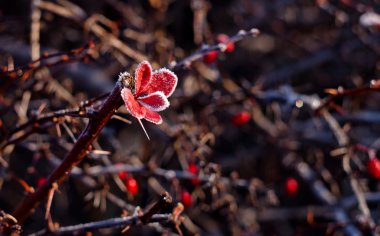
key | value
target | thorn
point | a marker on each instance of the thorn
(142, 126)
(50, 200)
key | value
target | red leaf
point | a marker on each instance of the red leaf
(132, 105)
(143, 75)
(150, 92)
(162, 80)
(154, 101)
(152, 116)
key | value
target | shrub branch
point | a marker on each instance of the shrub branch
(75, 156)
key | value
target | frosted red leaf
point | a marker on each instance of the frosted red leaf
(148, 92)
(162, 80)
(143, 74)
(152, 116)
(156, 101)
(131, 103)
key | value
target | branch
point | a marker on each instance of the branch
(149, 216)
(339, 93)
(48, 60)
(218, 47)
(163, 173)
(113, 222)
(164, 200)
(76, 155)
(37, 123)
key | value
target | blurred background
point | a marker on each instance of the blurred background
(269, 135)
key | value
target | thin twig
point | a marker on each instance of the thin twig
(148, 216)
(110, 223)
(49, 60)
(339, 93)
(164, 200)
(343, 141)
(186, 62)
(39, 122)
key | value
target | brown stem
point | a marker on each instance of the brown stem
(164, 200)
(76, 155)
(217, 47)
(109, 223)
(374, 86)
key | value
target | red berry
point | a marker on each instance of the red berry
(373, 168)
(241, 118)
(122, 175)
(193, 168)
(291, 187)
(132, 185)
(186, 199)
(230, 47)
(210, 57)
(41, 181)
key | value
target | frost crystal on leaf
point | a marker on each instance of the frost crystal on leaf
(148, 92)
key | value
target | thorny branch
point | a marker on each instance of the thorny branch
(109, 223)
(40, 122)
(340, 92)
(78, 152)
(48, 60)
(149, 216)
